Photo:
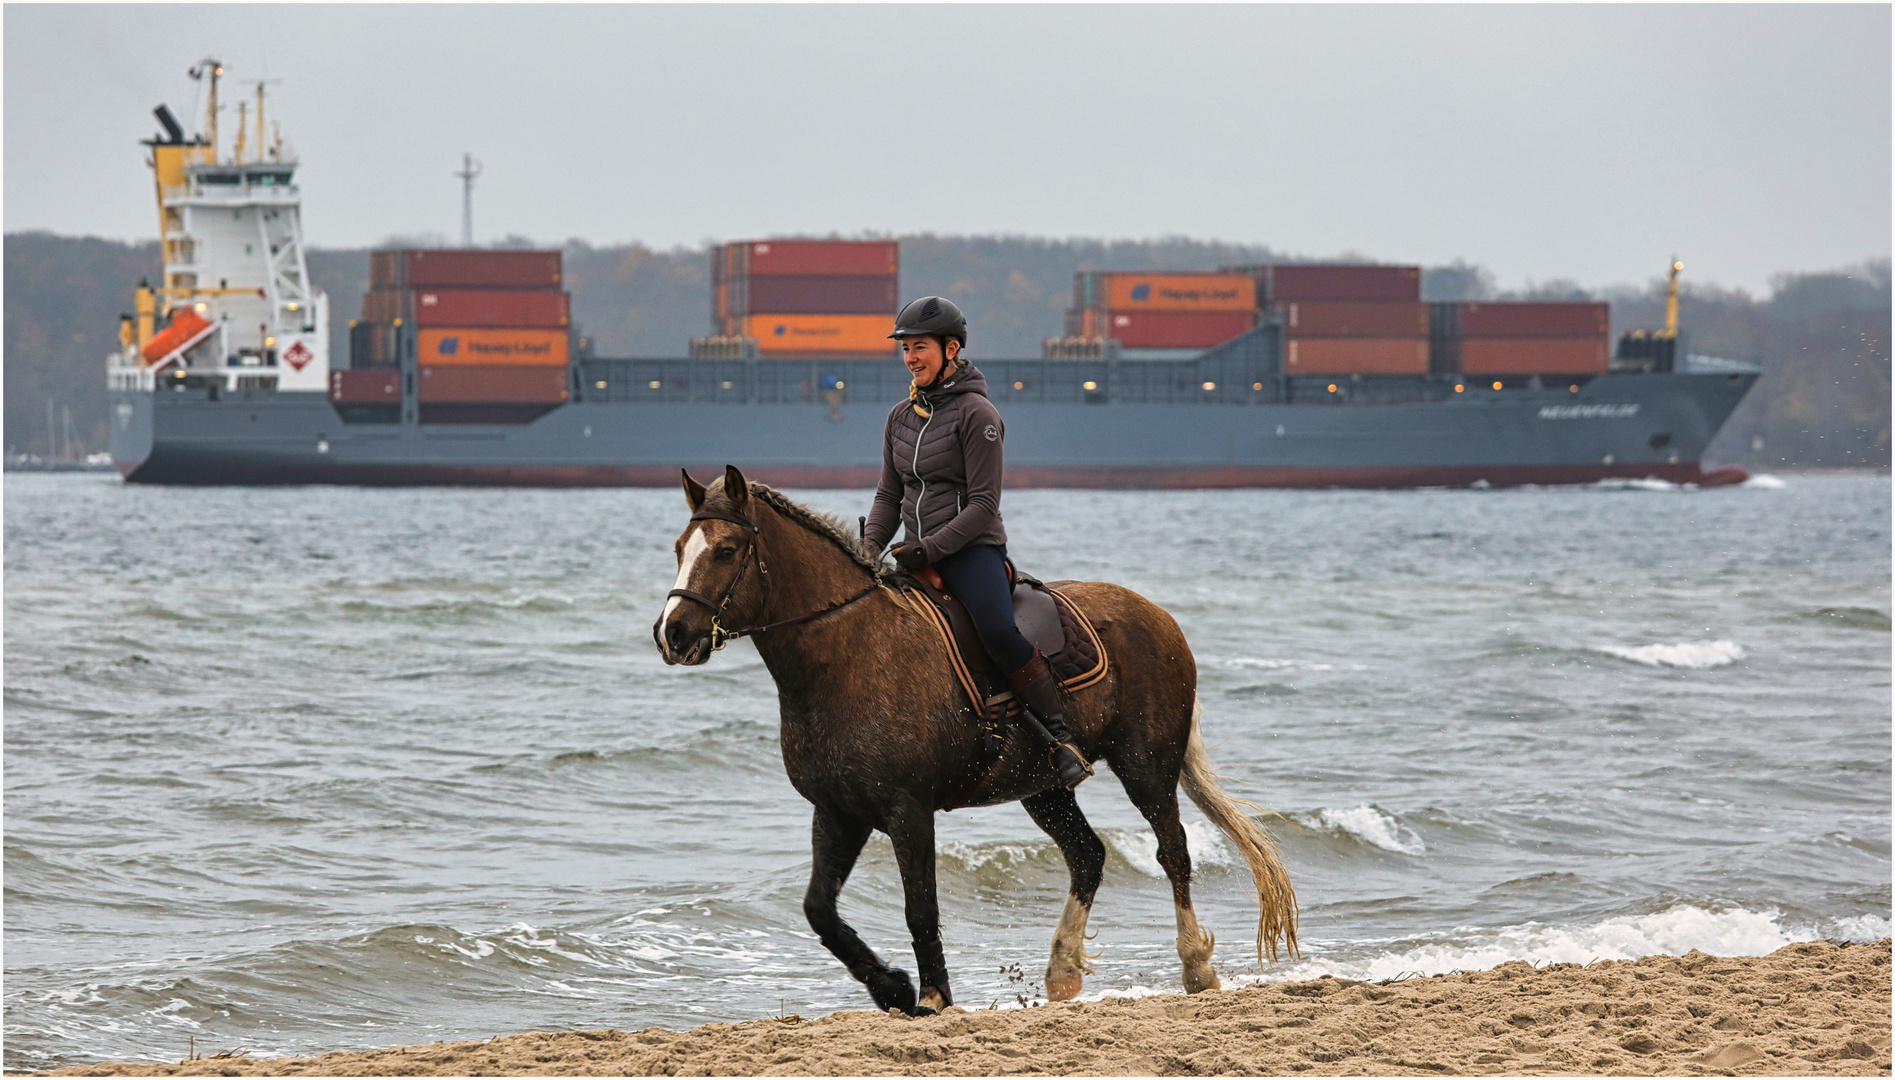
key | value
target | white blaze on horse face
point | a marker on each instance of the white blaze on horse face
(694, 549)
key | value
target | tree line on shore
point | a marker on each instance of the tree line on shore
(1821, 338)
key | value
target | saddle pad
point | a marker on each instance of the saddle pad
(1081, 662)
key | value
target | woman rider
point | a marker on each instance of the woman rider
(941, 464)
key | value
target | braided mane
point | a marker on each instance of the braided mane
(826, 525)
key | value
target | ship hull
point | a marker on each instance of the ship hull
(1617, 426)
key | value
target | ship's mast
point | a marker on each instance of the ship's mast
(214, 68)
(1671, 301)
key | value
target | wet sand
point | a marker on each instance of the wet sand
(1809, 1009)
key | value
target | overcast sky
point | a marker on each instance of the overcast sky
(1544, 142)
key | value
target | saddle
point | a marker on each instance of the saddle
(1047, 617)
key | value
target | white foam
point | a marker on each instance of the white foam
(1764, 480)
(1643, 483)
(1140, 847)
(1673, 932)
(1373, 827)
(1858, 928)
(1685, 654)
(976, 856)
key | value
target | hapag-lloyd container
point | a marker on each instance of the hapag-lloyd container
(1356, 356)
(1335, 281)
(1533, 356)
(1354, 318)
(1510, 319)
(792, 334)
(473, 345)
(1176, 329)
(813, 294)
(850, 258)
(516, 308)
(465, 268)
(492, 384)
(1179, 292)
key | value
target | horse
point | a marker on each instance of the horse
(878, 735)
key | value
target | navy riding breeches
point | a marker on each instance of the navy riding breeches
(977, 574)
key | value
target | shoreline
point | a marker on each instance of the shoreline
(1812, 1008)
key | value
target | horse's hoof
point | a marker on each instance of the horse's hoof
(931, 1000)
(922, 1010)
(1196, 982)
(1063, 986)
(891, 988)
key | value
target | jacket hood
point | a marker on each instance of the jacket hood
(969, 381)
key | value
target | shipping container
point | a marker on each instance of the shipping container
(851, 258)
(1180, 292)
(1520, 320)
(492, 384)
(1337, 281)
(789, 334)
(1356, 356)
(475, 345)
(817, 294)
(1533, 356)
(365, 387)
(464, 268)
(1358, 318)
(371, 345)
(512, 308)
(383, 305)
(1175, 329)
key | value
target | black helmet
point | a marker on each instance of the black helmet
(931, 315)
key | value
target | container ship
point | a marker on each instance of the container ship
(463, 369)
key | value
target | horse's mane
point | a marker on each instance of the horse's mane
(829, 526)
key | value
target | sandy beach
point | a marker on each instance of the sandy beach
(1814, 1008)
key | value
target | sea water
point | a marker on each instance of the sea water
(291, 770)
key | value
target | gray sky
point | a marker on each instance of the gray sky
(1544, 142)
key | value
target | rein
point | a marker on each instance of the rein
(721, 637)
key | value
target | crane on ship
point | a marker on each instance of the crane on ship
(1655, 350)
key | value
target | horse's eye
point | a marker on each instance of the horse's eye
(725, 554)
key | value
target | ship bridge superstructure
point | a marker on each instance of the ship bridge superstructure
(235, 306)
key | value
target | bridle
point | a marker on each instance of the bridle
(720, 636)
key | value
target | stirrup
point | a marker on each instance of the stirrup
(1052, 758)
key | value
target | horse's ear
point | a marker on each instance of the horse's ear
(693, 492)
(736, 489)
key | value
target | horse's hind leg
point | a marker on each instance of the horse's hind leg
(835, 843)
(1160, 807)
(1056, 811)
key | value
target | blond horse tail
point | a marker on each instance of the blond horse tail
(1276, 899)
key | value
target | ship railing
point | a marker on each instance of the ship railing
(120, 375)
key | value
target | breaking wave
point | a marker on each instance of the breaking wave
(1684, 654)
(1369, 825)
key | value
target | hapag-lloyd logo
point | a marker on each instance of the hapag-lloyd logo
(1142, 292)
(451, 346)
(1588, 412)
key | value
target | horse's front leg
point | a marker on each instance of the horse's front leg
(911, 828)
(836, 842)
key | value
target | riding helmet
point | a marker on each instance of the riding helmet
(931, 315)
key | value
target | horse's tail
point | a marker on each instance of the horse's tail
(1276, 899)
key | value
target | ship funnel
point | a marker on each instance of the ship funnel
(174, 135)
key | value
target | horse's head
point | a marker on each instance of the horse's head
(720, 577)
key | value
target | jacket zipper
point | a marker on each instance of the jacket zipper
(915, 464)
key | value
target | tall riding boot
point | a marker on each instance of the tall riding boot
(1045, 716)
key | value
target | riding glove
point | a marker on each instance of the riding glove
(910, 556)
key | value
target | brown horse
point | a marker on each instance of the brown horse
(877, 734)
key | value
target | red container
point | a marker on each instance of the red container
(517, 308)
(1176, 329)
(461, 384)
(465, 268)
(1359, 318)
(1332, 281)
(814, 294)
(1533, 356)
(365, 386)
(1521, 320)
(1356, 356)
(849, 258)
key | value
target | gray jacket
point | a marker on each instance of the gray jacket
(941, 472)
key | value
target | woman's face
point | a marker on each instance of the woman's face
(925, 359)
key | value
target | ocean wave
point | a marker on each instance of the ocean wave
(1256, 663)
(1643, 483)
(1684, 654)
(1366, 824)
(1764, 480)
(1672, 932)
(1856, 617)
(1139, 847)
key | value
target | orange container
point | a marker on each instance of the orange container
(185, 325)
(1533, 356)
(1180, 292)
(1364, 318)
(486, 346)
(1356, 356)
(821, 335)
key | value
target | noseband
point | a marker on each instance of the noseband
(721, 637)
